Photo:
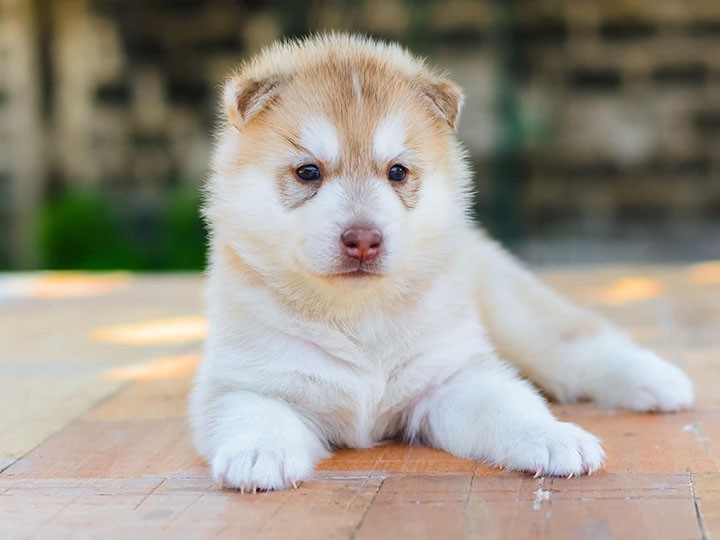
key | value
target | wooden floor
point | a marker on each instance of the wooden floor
(94, 374)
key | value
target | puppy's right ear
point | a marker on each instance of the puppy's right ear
(446, 97)
(244, 98)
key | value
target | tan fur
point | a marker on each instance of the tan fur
(278, 101)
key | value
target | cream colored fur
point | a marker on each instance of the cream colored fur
(435, 343)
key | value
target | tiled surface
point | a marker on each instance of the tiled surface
(94, 374)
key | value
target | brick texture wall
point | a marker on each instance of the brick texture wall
(618, 101)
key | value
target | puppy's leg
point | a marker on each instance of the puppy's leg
(570, 352)
(487, 412)
(252, 441)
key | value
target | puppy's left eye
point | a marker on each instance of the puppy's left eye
(397, 173)
(308, 173)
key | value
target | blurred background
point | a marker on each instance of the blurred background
(594, 125)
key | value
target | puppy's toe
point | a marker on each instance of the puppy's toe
(247, 468)
(555, 449)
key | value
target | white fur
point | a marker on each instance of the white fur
(320, 138)
(340, 204)
(389, 139)
(434, 349)
(270, 447)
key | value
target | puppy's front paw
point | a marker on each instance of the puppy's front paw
(250, 467)
(554, 448)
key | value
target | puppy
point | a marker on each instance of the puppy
(351, 299)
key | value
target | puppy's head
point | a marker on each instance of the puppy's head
(337, 165)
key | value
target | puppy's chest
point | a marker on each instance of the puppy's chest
(362, 415)
(345, 385)
(359, 384)
(362, 403)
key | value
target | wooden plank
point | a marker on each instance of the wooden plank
(626, 506)
(398, 457)
(652, 443)
(622, 518)
(321, 510)
(113, 449)
(151, 397)
(32, 508)
(187, 507)
(707, 492)
(36, 406)
(410, 520)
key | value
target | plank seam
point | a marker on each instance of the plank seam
(367, 509)
(698, 513)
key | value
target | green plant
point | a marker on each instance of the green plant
(79, 230)
(183, 232)
(93, 230)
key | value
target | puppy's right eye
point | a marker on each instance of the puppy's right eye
(397, 173)
(308, 173)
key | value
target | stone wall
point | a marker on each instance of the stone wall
(618, 100)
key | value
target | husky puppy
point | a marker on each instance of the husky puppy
(351, 299)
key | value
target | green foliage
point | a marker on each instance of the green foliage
(94, 231)
(184, 233)
(80, 230)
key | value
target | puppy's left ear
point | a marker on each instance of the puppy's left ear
(445, 96)
(245, 98)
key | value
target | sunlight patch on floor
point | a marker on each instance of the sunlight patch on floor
(704, 273)
(57, 285)
(169, 367)
(157, 332)
(627, 290)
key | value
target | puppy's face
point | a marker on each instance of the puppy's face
(344, 170)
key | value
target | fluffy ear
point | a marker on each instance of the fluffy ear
(244, 98)
(446, 97)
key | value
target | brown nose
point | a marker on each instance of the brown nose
(362, 244)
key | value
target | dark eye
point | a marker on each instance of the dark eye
(397, 173)
(308, 173)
